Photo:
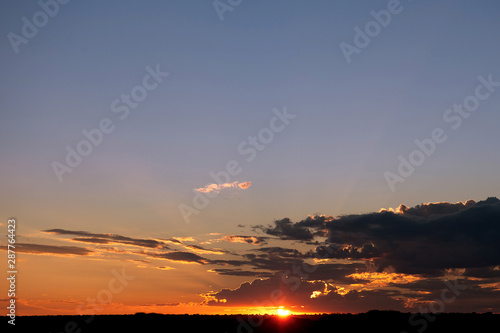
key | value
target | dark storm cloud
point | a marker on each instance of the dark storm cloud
(101, 238)
(411, 244)
(483, 272)
(427, 238)
(52, 249)
(304, 230)
(336, 251)
(281, 252)
(437, 208)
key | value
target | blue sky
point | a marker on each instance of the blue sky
(353, 120)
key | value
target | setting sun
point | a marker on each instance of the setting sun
(283, 312)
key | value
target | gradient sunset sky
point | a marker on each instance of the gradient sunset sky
(301, 137)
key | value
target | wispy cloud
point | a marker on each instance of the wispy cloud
(218, 187)
(165, 268)
(52, 249)
(182, 257)
(100, 238)
(199, 249)
(245, 239)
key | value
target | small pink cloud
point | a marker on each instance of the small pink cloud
(245, 185)
(218, 187)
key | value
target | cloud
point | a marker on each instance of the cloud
(142, 261)
(394, 260)
(367, 251)
(338, 272)
(163, 304)
(52, 249)
(272, 262)
(193, 256)
(383, 279)
(170, 240)
(239, 272)
(304, 230)
(271, 259)
(483, 272)
(184, 239)
(101, 238)
(218, 187)
(229, 262)
(285, 229)
(387, 260)
(245, 239)
(360, 292)
(425, 239)
(432, 208)
(463, 239)
(199, 249)
(165, 268)
(181, 256)
(281, 252)
(244, 185)
(279, 290)
(94, 240)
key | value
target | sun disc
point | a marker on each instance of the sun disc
(283, 312)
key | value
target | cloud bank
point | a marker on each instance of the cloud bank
(392, 259)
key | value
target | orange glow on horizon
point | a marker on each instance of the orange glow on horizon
(282, 312)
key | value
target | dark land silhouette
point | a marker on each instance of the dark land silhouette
(372, 321)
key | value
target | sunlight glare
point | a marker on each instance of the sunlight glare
(283, 312)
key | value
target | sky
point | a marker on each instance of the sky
(187, 156)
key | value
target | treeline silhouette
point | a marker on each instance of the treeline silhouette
(372, 321)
